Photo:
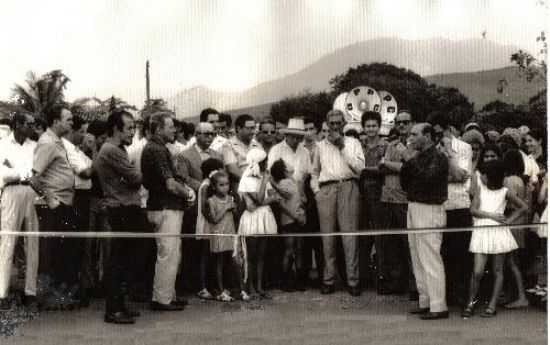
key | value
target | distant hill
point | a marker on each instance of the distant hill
(481, 87)
(425, 57)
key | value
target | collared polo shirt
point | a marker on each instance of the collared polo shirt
(459, 196)
(297, 162)
(52, 165)
(391, 190)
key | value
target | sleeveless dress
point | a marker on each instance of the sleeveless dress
(202, 227)
(491, 241)
(225, 226)
(261, 221)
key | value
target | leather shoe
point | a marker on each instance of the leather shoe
(419, 311)
(132, 313)
(120, 318)
(435, 315)
(354, 291)
(327, 289)
(180, 301)
(164, 307)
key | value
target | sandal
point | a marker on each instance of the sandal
(489, 312)
(205, 294)
(469, 309)
(225, 297)
(244, 296)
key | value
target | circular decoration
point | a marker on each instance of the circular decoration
(361, 99)
(388, 111)
(340, 104)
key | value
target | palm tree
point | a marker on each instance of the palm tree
(41, 93)
(93, 108)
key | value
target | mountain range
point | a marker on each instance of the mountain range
(474, 66)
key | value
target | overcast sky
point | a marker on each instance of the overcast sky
(102, 45)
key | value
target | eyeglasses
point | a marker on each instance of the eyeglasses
(402, 122)
(269, 132)
(207, 133)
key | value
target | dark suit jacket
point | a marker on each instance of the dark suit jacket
(188, 164)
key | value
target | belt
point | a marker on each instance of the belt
(18, 183)
(326, 183)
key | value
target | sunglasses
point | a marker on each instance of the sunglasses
(269, 132)
(207, 133)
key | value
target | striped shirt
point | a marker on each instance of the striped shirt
(461, 156)
(332, 164)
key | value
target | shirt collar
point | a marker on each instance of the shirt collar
(11, 138)
(199, 150)
(158, 140)
(54, 136)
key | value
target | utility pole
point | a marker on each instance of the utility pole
(147, 84)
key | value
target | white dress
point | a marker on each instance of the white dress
(491, 241)
(261, 221)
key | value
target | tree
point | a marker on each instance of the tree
(410, 90)
(92, 108)
(153, 106)
(41, 93)
(314, 106)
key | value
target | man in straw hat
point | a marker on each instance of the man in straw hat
(298, 164)
(336, 167)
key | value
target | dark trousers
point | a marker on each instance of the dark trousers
(81, 206)
(457, 259)
(93, 247)
(395, 272)
(371, 218)
(311, 246)
(59, 257)
(120, 260)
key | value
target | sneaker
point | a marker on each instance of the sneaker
(225, 297)
(244, 296)
(205, 294)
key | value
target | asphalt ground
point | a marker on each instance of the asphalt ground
(289, 318)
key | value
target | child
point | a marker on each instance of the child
(258, 218)
(292, 220)
(487, 208)
(207, 167)
(221, 207)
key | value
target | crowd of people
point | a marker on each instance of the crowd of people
(268, 182)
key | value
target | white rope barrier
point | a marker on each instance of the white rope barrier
(366, 232)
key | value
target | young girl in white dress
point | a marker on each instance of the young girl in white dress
(258, 218)
(487, 208)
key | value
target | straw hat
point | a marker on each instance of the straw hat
(295, 126)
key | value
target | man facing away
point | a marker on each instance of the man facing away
(424, 177)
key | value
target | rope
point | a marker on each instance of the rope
(366, 232)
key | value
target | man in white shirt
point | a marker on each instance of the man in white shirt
(337, 165)
(17, 202)
(82, 168)
(455, 246)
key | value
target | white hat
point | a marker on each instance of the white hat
(295, 126)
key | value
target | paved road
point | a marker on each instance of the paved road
(290, 318)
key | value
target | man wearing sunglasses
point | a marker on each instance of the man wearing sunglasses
(267, 135)
(394, 203)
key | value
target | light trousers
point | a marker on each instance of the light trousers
(339, 205)
(168, 253)
(426, 258)
(18, 214)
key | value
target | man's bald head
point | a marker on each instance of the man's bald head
(421, 136)
(204, 133)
